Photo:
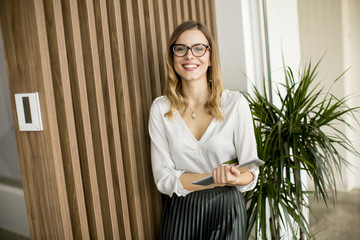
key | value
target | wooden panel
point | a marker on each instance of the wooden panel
(97, 66)
(82, 116)
(185, 10)
(124, 115)
(162, 38)
(155, 83)
(28, 68)
(63, 99)
(207, 14)
(97, 119)
(131, 166)
(192, 10)
(200, 11)
(153, 54)
(107, 77)
(144, 92)
(212, 25)
(176, 12)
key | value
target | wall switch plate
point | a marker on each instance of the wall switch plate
(28, 111)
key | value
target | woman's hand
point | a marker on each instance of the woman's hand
(227, 175)
(223, 176)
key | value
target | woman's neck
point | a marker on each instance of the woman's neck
(195, 91)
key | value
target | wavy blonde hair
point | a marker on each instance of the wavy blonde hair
(173, 84)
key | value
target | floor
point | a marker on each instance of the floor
(339, 222)
(5, 235)
(332, 223)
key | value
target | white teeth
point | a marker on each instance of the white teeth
(190, 66)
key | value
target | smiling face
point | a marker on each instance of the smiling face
(189, 67)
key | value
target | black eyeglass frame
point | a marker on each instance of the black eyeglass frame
(187, 49)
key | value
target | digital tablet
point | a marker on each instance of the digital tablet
(242, 167)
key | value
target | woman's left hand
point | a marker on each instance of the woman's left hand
(227, 174)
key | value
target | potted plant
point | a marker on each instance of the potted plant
(291, 139)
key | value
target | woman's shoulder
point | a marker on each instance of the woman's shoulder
(161, 103)
(161, 100)
(232, 96)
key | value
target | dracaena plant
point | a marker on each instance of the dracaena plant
(294, 138)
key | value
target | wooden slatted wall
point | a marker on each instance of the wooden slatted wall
(97, 66)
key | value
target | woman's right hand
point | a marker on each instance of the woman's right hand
(226, 175)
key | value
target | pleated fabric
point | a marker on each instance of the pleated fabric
(217, 213)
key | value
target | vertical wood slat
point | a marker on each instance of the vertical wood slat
(162, 9)
(143, 84)
(66, 121)
(177, 12)
(155, 82)
(113, 126)
(192, 10)
(161, 39)
(107, 64)
(102, 155)
(200, 11)
(185, 10)
(52, 121)
(137, 228)
(151, 43)
(212, 26)
(168, 12)
(86, 147)
(207, 14)
(123, 100)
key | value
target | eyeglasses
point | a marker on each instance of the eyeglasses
(198, 50)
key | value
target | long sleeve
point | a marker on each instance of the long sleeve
(165, 175)
(245, 142)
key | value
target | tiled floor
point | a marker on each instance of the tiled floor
(339, 222)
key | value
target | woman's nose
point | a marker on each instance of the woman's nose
(189, 54)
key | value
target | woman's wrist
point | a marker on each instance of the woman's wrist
(245, 178)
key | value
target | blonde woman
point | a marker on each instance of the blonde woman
(194, 128)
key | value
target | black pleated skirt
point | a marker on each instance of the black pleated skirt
(217, 213)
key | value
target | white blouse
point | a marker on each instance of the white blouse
(175, 150)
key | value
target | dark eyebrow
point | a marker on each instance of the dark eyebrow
(191, 45)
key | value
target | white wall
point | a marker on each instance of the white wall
(284, 35)
(9, 161)
(351, 48)
(241, 43)
(12, 203)
(13, 215)
(284, 39)
(232, 62)
(334, 27)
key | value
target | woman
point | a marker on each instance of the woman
(194, 128)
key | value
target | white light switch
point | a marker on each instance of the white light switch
(28, 111)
